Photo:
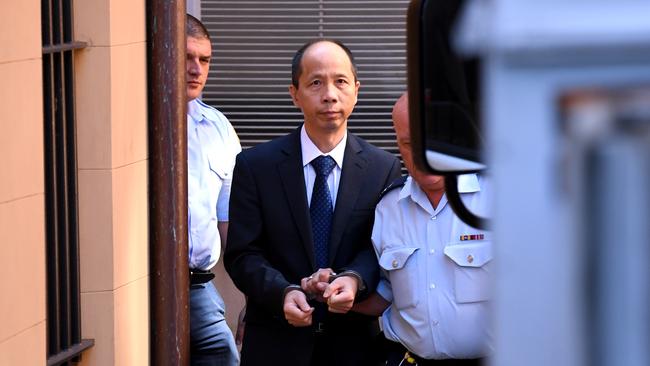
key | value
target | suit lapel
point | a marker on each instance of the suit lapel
(352, 174)
(293, 180)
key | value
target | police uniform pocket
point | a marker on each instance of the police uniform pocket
(471, 270)
(218, 167)
(401, 263)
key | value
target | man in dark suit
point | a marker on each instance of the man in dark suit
(292, 223)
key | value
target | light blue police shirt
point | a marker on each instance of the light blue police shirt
(435, 272)
(212, 145)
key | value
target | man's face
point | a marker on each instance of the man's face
(427, 182)
(327, 90)
(197, 63)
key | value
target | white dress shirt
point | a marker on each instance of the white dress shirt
(212, 145)
(435, 272)
(311, 152)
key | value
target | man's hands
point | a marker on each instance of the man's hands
(296, 309)
(316, 284)
(339, 294)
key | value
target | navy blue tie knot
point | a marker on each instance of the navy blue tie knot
(323, 165)
(320, 209)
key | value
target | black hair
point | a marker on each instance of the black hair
(296, 67)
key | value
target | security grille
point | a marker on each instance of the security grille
(64, 342)
(254, 41)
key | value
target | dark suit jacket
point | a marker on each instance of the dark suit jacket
(270, 243)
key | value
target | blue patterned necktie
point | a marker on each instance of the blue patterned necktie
(320, 209)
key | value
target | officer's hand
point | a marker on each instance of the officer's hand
(340, 294)
(296, 309)
(374, 305)
(241, 324)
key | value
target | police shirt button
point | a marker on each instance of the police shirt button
(395, 263)
(470, 259)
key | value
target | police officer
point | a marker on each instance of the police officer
(433, 295)
(211, 149)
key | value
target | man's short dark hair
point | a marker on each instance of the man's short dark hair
(194, 28)
(296, 67)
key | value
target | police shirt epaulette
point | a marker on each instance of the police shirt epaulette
(397, 183)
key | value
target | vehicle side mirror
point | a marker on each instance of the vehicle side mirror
(444, 100)
(443, 92)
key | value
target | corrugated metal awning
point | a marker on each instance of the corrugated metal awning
(254, 41)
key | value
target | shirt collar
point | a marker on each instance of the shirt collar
(414, 192)
(467, 183)
(311, 152)
(194, 110)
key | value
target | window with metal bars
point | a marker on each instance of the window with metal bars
(64, 343)
(254, 41)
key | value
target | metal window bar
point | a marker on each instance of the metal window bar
(64, 343)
